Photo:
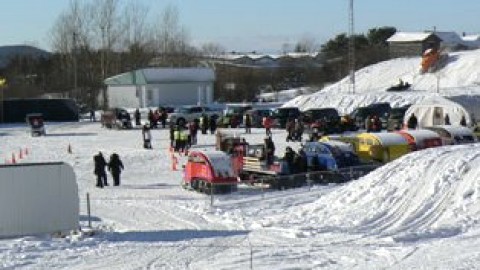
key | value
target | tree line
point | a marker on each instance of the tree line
(93, 40)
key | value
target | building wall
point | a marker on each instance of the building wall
(169, 94)
(179, 94)
(405, 49)
(38, 198)
(123, 96)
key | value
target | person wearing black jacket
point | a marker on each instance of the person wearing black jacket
(412, 122)
(115, 166)
(269, 148)
(99, 170)
(137, 117)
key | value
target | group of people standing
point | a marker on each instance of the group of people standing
(295, 130)
(412, 122)
(114, 165)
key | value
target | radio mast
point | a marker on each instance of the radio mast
(351, 46)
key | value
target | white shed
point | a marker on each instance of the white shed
(38, 198)
(432, 111)
(153, 87)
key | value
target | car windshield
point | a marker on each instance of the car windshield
(286, 112)
(328, 113)
(361, 112)
(397, 113)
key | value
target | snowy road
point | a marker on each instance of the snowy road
(419, 212)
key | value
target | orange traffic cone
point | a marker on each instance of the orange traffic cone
(14, 161)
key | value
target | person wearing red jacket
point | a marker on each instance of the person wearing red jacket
(267, 124)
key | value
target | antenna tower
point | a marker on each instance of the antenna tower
(351, 46)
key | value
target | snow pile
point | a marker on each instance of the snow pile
(459, 77)
(409, 199)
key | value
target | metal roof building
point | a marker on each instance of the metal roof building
(152, 87)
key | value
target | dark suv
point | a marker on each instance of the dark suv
(360, 114)
(326, 120)
(281, 115)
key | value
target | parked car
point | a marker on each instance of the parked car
(395, 118)
(257, 116)
(116, 118)
(360, 114)
(185, 114)
(281, 115)
(326, 120)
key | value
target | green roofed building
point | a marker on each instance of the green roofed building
(152, 87)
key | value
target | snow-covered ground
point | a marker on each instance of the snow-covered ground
(459, 77)
(418, 212)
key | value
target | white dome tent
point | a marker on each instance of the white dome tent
(432, 111)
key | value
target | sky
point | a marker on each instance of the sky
(262, 26)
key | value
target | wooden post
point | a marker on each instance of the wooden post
(88, 211)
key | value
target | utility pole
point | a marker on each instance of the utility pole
(74, 50)
(351, 46)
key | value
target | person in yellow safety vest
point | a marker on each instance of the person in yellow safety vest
(176, 138)
(183, 140)
(226, 121)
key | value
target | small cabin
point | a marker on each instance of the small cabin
(382, 147)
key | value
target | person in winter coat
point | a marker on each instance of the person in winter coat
(172, 133)
(300, 162)
(204, 123)
(289, 158)
(298, 130)
(269, 148)
(137, 117)
(290, 127)
(177, 139)
(267, 124)
(412, 122)
(163, 117)
(151, 118)
(115, 166)
(463, 121)
(213, 124)
(194, 126)
(377, 124)
(248, 123)
(99, 170)
(147, 137)
(447, 119)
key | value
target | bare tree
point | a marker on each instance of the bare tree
(172, 40)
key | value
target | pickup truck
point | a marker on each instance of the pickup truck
(185, 114)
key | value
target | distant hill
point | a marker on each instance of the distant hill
(8, 52)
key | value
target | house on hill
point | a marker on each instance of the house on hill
(403, 44)
(152, 87)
